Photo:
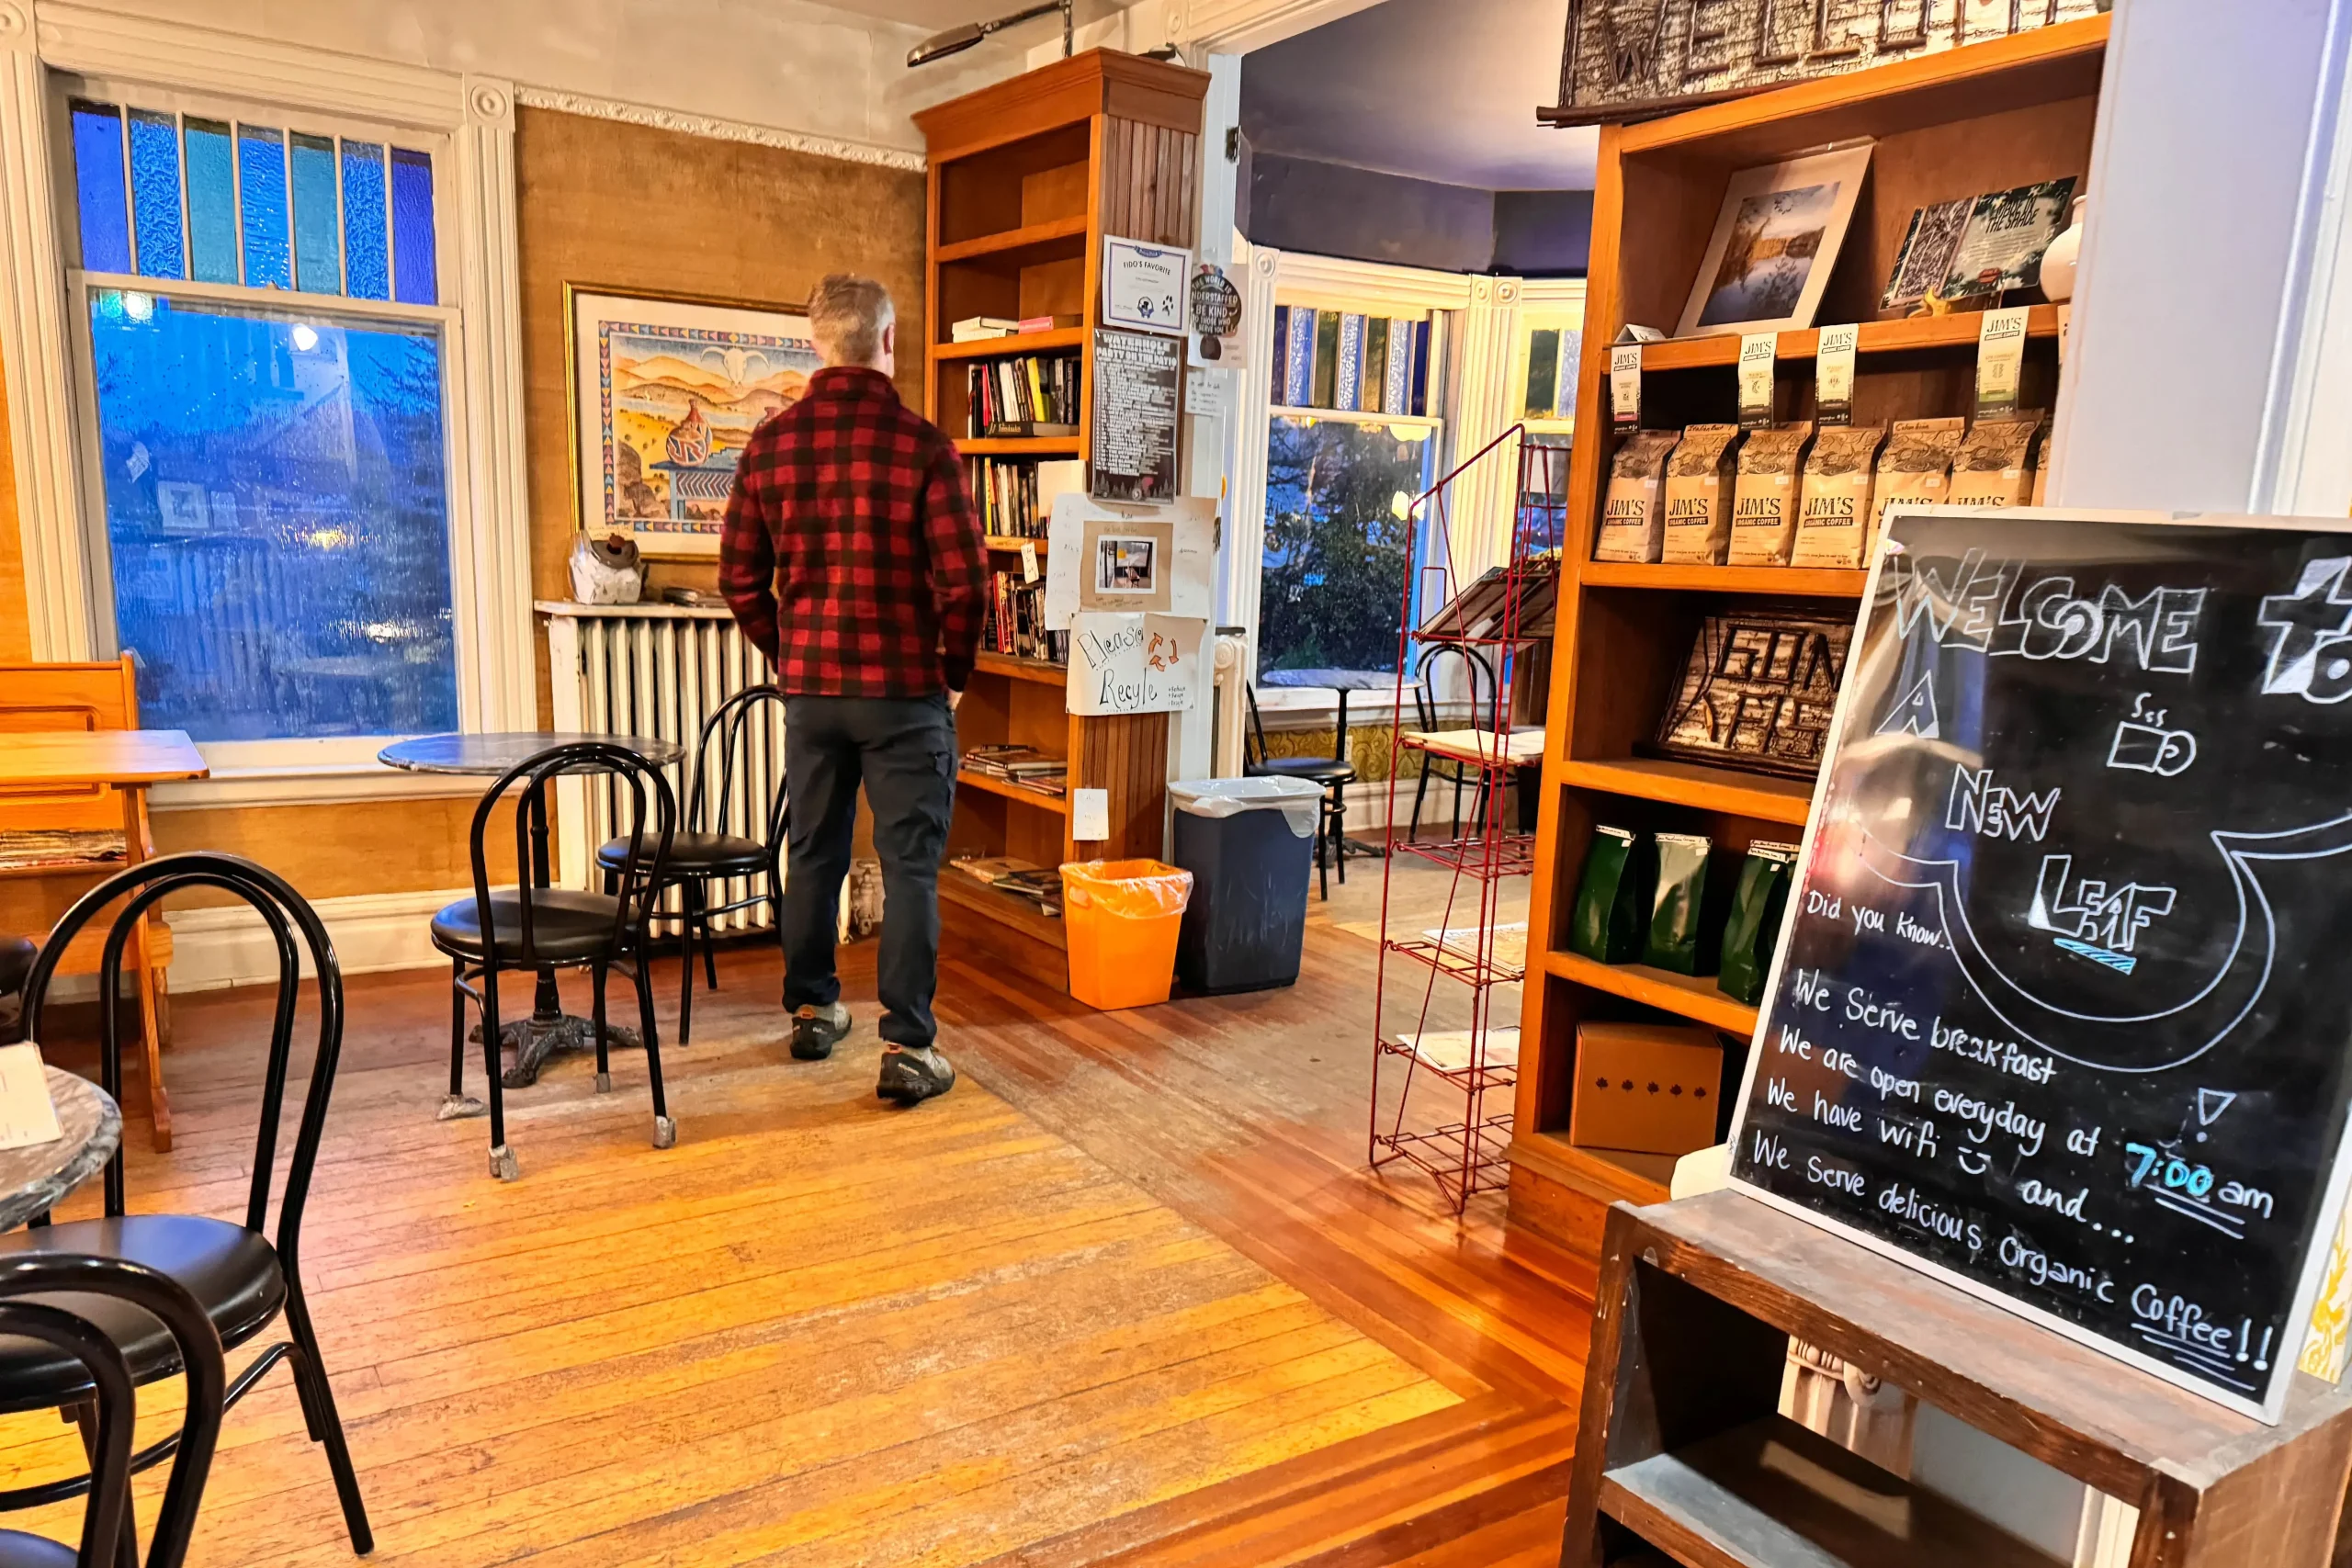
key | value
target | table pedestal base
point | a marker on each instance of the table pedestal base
(533, 1041)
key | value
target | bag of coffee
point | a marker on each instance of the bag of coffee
(1836, 511)
(1698, 494)
(1764, 497)
(1916, 466)
(1753, 929)
(1676, 940)
(1994, 463)
(1631, 521)
(1612, 908)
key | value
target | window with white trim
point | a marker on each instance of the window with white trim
(1543, 373)
(266, 419)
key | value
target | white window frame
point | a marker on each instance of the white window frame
(470, 123)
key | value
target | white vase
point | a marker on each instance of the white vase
(2058, 261)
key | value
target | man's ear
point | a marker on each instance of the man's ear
(891, 338)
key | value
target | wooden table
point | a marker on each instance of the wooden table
(36, 1179)
(129, 760)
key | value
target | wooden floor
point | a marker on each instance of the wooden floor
(1128, 1295)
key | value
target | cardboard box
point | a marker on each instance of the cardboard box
(1651, 1087)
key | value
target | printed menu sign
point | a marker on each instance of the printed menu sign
(2060, 1011)
(1134, 415)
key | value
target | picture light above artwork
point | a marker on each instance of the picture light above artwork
(956, 39)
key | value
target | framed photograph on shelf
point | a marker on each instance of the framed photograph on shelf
(1775, 243)
(666, 390)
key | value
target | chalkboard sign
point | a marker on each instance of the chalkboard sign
(2063, 1010)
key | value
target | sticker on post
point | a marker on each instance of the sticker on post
(1090, 814)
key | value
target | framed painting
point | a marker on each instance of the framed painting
(666, 390)
(1776, 241)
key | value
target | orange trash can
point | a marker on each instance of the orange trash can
(1120, 918)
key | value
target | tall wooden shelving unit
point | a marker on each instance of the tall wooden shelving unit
(1026, 178)
(1986, 117)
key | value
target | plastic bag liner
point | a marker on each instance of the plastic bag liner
(1128, 889)
(1296, 800)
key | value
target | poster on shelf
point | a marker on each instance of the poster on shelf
(1104, 557)
(1126, 662)
(2055, 1016)
(1136, 386)
(1146, 287)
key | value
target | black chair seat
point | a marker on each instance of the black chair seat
(696, 854)
(19, 1550)
(566, 927)
(232, 1273)
(17, 955)
(1325, 771)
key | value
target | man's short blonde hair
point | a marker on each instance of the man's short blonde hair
(848, 314)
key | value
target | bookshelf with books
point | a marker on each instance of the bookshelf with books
(1027, 177)
(1983, 117)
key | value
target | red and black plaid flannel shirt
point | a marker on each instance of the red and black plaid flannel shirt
(851, 554)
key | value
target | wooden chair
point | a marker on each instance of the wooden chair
(105, 696)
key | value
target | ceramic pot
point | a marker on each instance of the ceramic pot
(2058, 261)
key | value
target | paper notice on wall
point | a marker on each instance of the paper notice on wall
(1090, 814)
(1104, 556)
(1133, 663)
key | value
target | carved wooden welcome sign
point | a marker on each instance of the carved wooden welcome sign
(1628, 59)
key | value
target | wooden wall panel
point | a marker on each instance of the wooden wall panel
(334, 852)
(1149, 175)
(627, 206)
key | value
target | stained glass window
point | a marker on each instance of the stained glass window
(105, 196)
(156, 193)
(211, 202)
(415, 279)
(277, 501)
(261, 169)
(318, 232)
(366, 256)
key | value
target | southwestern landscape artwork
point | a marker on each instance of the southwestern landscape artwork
(665, 394)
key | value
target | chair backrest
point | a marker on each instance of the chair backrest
(654, 822)
(47, 697)
(285, 912)
(105, 1520)
(736, 726)
(1474, 668)
(1255, 739)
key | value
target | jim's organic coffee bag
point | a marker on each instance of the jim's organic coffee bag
(1612, 908)
(1834, 511)
(1994, 463)
(1632, 515)
(1698, 494)
(1764, 495)
(1916, 466)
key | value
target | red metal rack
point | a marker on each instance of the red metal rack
(1429, 1105)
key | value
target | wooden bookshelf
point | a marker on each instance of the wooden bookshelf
(1952, 124)
(1027, 176)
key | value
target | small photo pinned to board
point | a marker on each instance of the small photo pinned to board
(1127, 564)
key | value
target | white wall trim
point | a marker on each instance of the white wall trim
(721, 129)
(1237, 26)
(1337, 281)
(228, 945)
(1479, 514)
(1244, 553)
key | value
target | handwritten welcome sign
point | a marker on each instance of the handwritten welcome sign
(2062, 1011)
(1133, 663)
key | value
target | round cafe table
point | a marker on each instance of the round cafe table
(549, 1028)
(37, 1178)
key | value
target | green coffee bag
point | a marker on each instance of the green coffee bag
(1672, 938)
(1613, 897)
(1753, 929)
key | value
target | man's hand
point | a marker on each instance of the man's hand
(955, 699)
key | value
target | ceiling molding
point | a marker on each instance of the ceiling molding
(1237, 26)
(721, 129)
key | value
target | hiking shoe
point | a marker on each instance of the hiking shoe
(911, 1075)
(816, 1030)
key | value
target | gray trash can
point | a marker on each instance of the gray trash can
(1249, 844)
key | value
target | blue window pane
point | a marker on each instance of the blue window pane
(416, 280)
(156, 193)
(367, 260)
(261, 158)
(98, 182)
(318, 238)
(276, 499)
(211, 203)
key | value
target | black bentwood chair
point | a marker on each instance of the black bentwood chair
(241, 1280)
(701, 855)
(54, 1307)
(557, 929)
(1428, 708)
(1334, 773)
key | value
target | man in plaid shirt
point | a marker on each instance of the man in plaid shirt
(853, 557)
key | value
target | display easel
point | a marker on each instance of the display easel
(1682, 1449)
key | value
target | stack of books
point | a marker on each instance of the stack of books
(1031, 883)
(981, 329)
(1015, 621)
(1337, 359)
(1023, 394)
(1015, 495)
(1022, 765)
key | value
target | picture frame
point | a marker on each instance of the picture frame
(1775, 243)
(665, 390)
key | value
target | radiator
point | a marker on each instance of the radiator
(658, 670)
(1229, 706)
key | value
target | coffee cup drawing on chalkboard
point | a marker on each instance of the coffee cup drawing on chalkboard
(2165, 753)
